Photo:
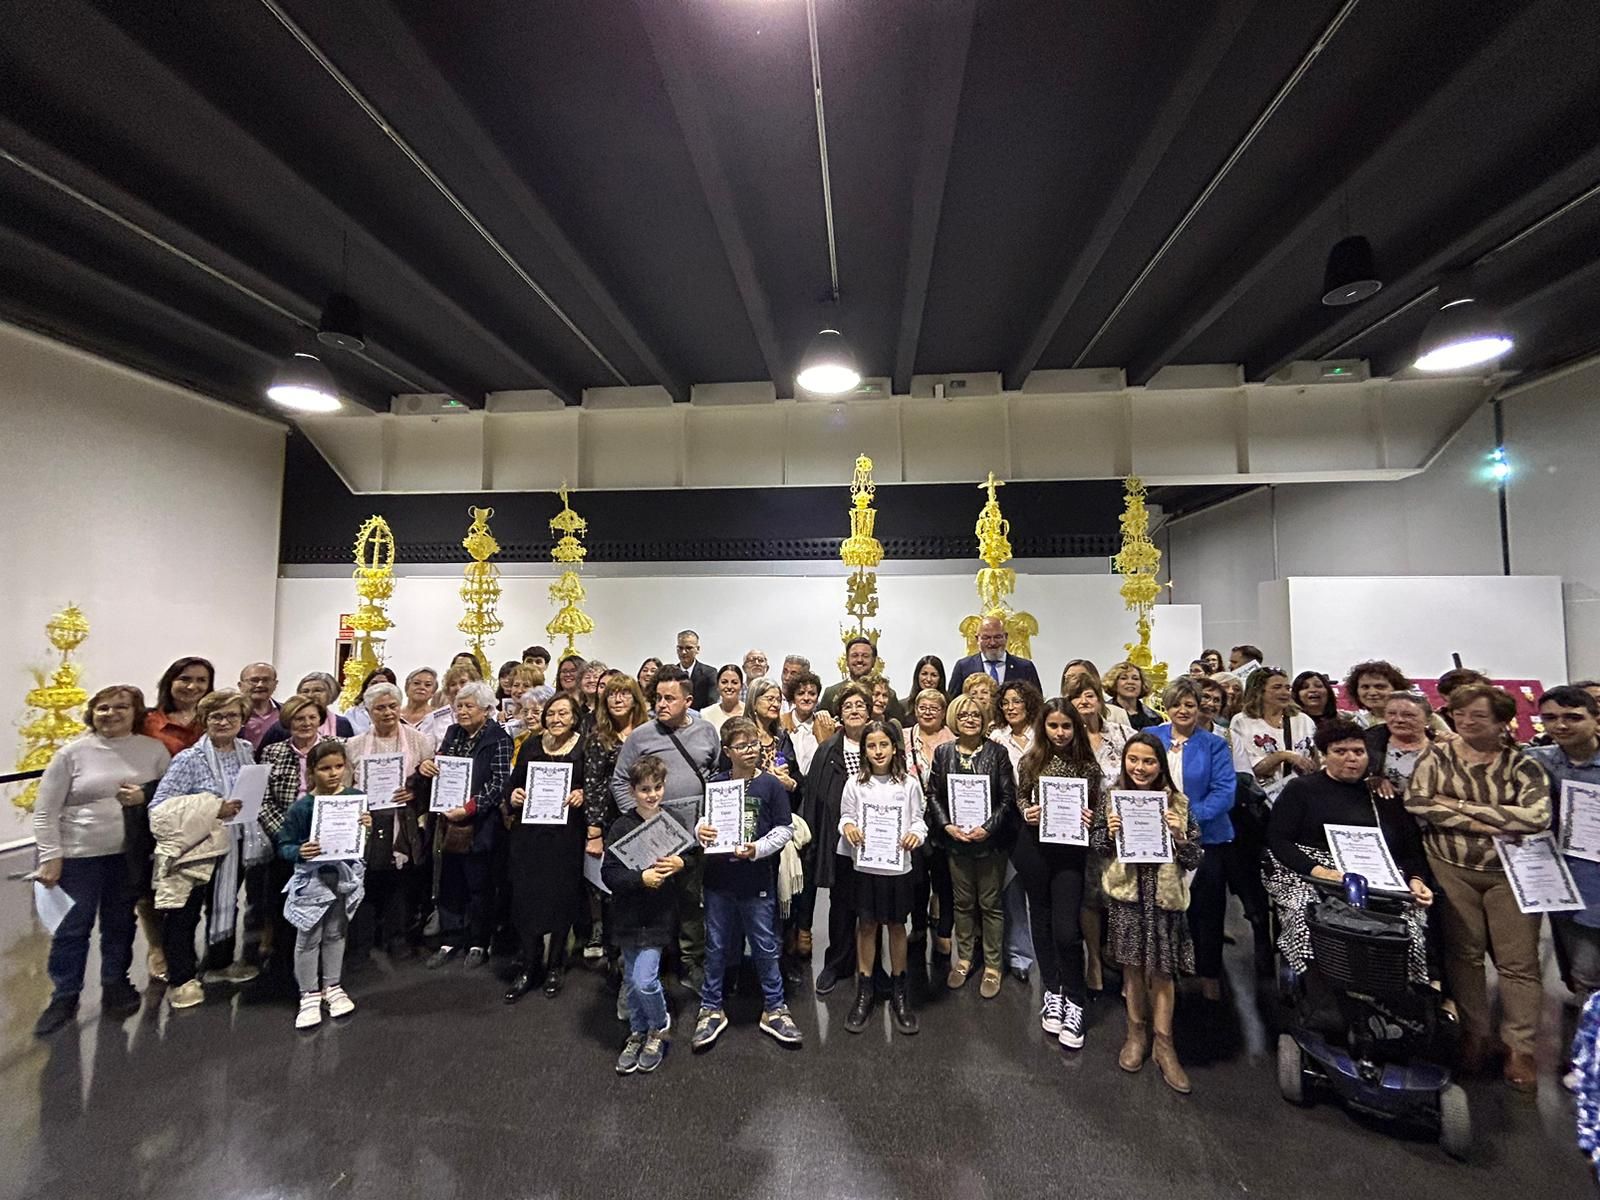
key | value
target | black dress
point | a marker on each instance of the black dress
(547, 860)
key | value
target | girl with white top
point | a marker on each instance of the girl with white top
(882, 897)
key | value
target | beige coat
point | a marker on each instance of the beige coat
(190, 838)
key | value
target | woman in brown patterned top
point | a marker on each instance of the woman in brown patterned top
(1466, 792)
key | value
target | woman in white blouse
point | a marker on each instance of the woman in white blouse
(1272, 738)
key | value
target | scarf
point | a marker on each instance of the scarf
(247, 842)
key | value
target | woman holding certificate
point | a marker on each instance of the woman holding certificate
(971, 794)
(1058, 788)
(383, 760)
(1467, 792)
(880, 817)
(548, 832)
(1151, 839)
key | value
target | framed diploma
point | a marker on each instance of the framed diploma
(453, 785)
(658, 837)
(970, 803)
(382, 775)
(1538, 874)
(723, 811)
(1061, 804)
(1580, 820)
(883, 823)
(1143, 836)
(1361, 850)
(336, 827)
(249, 788)
(546, 791)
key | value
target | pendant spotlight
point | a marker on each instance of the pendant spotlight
(1350, 276)
(1464, 332)
(303, 384)
(828, 366)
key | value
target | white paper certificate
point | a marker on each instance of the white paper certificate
(723, 811)
(336, 827)
(1061, 804)
(1580, 820)
(1538, 874)
(969, 800)
(249, 788)
(382, 775)
(1361, 850)
(883, 823)
(659, 837)
(1144, 836)
(548, 786)
(453, 785)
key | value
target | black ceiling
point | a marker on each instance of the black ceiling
(1015, 186)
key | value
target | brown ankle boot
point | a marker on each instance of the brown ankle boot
(1172, 1072)
(1135, 1047)
(1521, 1071)
(802, 943)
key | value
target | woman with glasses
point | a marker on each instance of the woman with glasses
(209, 768)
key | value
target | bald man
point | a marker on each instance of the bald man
(992, 660)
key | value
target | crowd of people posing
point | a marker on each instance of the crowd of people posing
(139, 822)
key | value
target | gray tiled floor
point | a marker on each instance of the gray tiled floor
(434, 1089)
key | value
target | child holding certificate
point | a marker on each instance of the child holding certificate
(644, 913)
(741, 890)
(1051, 855)
(1147, 931)
(322, 895)
(880, 816)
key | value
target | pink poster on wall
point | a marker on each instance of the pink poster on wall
(1526, 692)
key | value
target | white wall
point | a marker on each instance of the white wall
(1442, 522)
(1507, 625)
(638, 616)
(153, 509)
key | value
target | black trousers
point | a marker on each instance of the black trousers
(464, 899)
(1052, 877)
(933, 879)
(1225, 867)
(840, 953)
(177, 938)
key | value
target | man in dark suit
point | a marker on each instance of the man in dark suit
(992, 659)
(702, 679)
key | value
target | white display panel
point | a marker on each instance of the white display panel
(1509, 626)
(1079, 616)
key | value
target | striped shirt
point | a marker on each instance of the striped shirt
(1447, 794)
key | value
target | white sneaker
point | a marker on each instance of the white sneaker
(1071, 1025)
(310, 1014)
(339, 1004)
(1050, 1014)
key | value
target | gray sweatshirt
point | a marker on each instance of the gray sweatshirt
(699, 738)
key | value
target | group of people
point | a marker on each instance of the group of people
(138, 822)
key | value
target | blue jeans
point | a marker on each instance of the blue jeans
(1019, 934)
(729, 921)
(96, 885)
(641, 978)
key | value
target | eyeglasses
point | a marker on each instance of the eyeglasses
(223, 718)
(745, 747)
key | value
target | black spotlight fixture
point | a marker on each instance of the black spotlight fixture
(340, 326)
(1350, 276)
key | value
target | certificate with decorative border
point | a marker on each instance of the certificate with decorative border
(1062, 800)
(659, 837)
(970, 802)
(1361, 850)
(1580, 819)
(724, 812)
(454, 784)
(1143, 836)
(1537, 874)
(883, 824)
(545, 795)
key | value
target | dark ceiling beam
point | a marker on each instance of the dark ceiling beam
(945, 71)
(1582, 273)
(1318, 205)
(1496, 229)
(162, 313)
(667, 41)
(1163, 131)
(383, 26)
(40, 161)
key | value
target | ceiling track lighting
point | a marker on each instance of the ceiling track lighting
(829, 366)
(1350, 276)
(1464, 332)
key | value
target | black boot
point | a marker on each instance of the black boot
(856, 1020)
(900, 1005)
(521, 985)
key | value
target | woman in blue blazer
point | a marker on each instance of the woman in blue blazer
(1202, 763)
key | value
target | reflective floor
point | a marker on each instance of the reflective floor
(435, 1089)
